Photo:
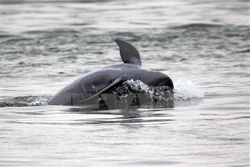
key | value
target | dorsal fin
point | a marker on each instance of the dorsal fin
(128, 52)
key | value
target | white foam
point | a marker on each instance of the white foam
(162, 93)
(187, 90)
(138, 85)
(39, 100)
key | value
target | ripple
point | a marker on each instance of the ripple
(23, 101)
(47, 44)
(197, 26)
(243, 51)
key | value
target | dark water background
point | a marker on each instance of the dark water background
(203, 45)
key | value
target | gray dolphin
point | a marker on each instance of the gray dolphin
(104, 79)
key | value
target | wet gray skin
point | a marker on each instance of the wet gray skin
(104, 79)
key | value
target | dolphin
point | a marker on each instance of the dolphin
(104, 79)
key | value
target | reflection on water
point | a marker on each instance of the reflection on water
(202, 45)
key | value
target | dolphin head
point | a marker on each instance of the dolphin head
(154, 78)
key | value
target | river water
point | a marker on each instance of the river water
(204, 46)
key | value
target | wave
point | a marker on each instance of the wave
(49, 1)
(185, 90)
(243, 51)
(23, 101)
(197, 26)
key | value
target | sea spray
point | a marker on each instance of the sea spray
(187, 90)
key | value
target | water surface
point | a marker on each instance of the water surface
(203, 46)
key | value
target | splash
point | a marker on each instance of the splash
(144, 95)
(187, 90)
(137, 86)
(39, 100)
(25, 101)
(184, 90)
